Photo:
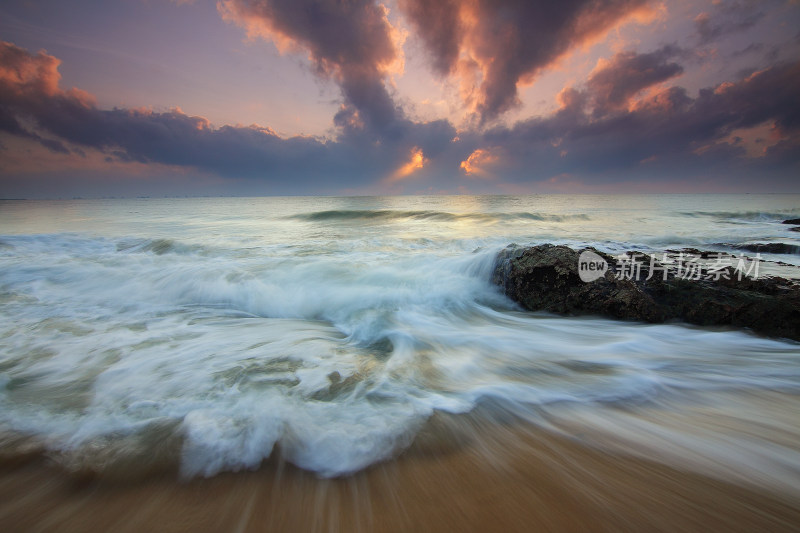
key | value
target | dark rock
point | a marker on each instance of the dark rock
(702, 254)
(546, 277)
(767, 247)
(792, 221)
(796, 228)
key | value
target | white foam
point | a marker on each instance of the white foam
(332, 349)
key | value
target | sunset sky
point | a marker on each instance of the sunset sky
(273, 97)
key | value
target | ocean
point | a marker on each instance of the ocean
(212, 333)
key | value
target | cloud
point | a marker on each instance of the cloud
(728, 18)
(478, 160)
(622, 124)
(416, 161)
(29, 80)
(665, 134)
(24, 74)
(498, 43)
(33, 106)
(440, 27)
(350, 42)
(615, 82)
(508, 41)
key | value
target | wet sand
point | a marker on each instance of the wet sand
(461, 474)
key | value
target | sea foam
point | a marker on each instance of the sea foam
(330, 340)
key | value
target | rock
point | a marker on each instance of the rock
(792, 221)
(545, 277)
(767, 248)
(702, 254)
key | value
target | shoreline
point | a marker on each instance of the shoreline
(143, 342)
(461, 473)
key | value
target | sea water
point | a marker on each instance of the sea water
(333, 328)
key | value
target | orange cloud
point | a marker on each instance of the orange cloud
(378, 43)
(493, 48)
(615, 82)
(416, 161)
(25, 74)
(33, 78)
(474, 165)
(757, 140)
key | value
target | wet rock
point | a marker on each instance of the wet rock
(792, 221)
(767, 247)
(546, 277)
(702, 254)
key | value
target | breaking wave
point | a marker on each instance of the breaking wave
(745, 216)
(390, 215)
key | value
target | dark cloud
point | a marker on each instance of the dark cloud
(509, 39)
(350, 42)
(668, 133)
(728, 18)
(33, 106)
(31, 80)
(768, 94)
(439, 25)
(354, 44)
(9, 122)
(627, 74)
(617, 126)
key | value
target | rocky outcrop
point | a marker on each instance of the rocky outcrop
(546, 277)
(767, 247)
(795, 221)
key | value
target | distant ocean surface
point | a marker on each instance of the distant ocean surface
(335, 327)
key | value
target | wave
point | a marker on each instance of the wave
(441, 216)
(748, 216)
(158, 246)
(77, 245)
(130, 353)
(224, 397)
(227, 358)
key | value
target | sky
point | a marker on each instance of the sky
(369, 97)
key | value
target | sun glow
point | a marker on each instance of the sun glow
(473, 166)
(416, 161)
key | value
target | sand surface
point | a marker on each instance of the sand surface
(461, 474)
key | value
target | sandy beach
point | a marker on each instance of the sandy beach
(461, 474)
